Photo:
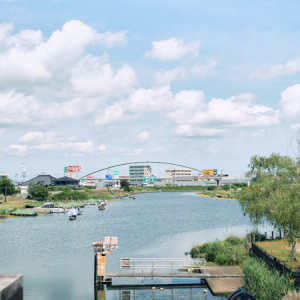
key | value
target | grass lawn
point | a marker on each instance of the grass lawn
(280, 249)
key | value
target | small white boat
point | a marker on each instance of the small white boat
(58, 210)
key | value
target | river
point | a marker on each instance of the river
(56, 257)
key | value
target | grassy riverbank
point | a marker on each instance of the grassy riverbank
(259, 280)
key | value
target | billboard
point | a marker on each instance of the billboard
(208, 172)
(74, 168)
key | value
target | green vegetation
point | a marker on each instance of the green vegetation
(125, 185)
(263, 283)
(37, 191)
(280, 249)
(69, 194)
(7, 186)
(23, 212)
(274, 195)
(229, 252)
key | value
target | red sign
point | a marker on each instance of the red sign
(74, 168)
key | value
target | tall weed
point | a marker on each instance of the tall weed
(263, 283)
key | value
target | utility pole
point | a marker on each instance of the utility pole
(5, 189)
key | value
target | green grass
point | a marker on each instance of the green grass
(280, 249)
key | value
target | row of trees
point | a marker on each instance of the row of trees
(274, 194)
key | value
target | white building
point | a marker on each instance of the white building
(139, 173)
(180, 174)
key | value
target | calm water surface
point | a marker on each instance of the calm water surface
(56, 257)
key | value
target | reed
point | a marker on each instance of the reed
(263, 283)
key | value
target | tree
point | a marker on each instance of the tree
(274, 194)
(125, 185)
(7, 184)
(38, 191)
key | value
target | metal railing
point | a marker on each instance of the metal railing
(167, 265)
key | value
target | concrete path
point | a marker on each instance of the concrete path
(224, 285)
(11, 287)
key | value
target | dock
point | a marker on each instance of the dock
(231, 281)
(11, 287)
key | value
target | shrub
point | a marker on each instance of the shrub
(213, 250)
(226, 187)
(234, 240)
(196, 251)
(263, 283)
(211, 188)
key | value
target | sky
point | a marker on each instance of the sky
(202, 83)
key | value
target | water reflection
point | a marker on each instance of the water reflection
(184, 292)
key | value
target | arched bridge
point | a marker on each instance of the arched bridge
(176, 177)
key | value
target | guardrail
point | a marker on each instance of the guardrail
(156, 265)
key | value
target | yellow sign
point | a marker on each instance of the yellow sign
(103, 259)
(209, 172)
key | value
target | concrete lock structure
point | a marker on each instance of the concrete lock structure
(101, 250)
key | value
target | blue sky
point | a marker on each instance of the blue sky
(96, 83)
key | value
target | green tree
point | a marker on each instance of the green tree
(38, 191)
(274, 194)
(7, 184)
(125, 185)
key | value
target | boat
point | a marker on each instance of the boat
(102, 205)
(58, 210)
(72, 213)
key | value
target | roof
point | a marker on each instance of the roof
(42, 180)
(66, 178)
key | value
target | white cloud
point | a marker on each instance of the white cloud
(182, 72)
(188, 130)
(111, 114)
(109, 39)
(28, 60)
(92, 77)
(290, 67)
(172, 49)
(102, 148)
(51, 141)
(144, 136)
(290, 101)
(238, 111)
(149, 100)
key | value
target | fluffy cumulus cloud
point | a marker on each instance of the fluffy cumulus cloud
(196, 117)
(197, 71)
(18, 109)
(140, 101)
(53, 141)
(240, 110)
(173, 49)
(290, 101)
(29, 60)
(93, 76)
(290, 67)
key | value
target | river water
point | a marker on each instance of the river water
(56, 257)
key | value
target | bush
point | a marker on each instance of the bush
(213, 250)
(263, 283)
(211, 188)
(226, 187)
(196, 251)
(234, 240)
